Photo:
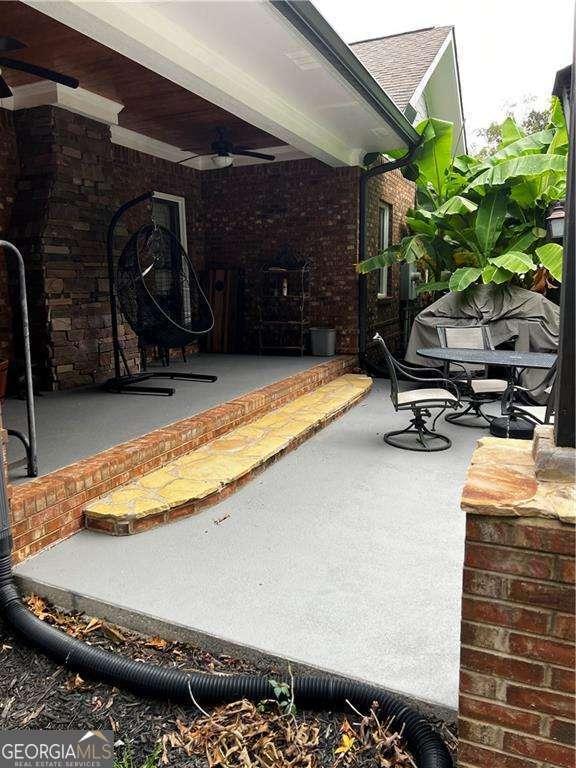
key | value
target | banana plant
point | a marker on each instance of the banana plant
(482, 221)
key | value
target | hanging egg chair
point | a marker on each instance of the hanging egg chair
(159, 291)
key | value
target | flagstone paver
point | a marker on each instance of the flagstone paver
(208, 470)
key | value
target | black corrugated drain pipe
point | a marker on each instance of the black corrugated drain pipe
(365, 177)
(168, 683)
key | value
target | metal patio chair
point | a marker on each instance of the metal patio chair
(517, 403)
(420, 402)
(476, 389)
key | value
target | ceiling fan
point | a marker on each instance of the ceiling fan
(223, 151)
(9, 44)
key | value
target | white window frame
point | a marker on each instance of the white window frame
(181, 202)
(384, 239)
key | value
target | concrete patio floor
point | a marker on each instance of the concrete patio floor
(78, 423)
(345, 555)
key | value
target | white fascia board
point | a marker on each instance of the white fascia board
(79, 100)
(144, 35)
(448, 48)
(431, 69)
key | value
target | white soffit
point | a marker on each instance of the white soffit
(133, 140)
(246, 58)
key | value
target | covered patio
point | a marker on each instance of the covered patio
(75, 424)
(352, 567)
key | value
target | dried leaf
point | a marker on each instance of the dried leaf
(157, 642)
(113, 633)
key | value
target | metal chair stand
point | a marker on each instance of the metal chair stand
(473, 410)
(133, 382)
(513, 426)
(424, 441)
(518, 420)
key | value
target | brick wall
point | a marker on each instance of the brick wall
(9, 168)
(384, 313)
(72, 180)
(252, 213)
(517, 700)
(135, 173)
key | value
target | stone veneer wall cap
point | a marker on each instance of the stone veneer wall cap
(503, 481)
(552, 463)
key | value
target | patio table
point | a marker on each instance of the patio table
(517, 426)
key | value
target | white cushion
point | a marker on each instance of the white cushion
(486, 386)
(425, 395)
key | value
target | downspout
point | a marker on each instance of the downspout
(365, 177)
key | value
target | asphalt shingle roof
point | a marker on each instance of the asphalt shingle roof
(399, 62)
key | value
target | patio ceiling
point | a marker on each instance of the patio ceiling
(152, 105)
(178, 70)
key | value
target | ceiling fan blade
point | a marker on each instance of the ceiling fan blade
(193, 157)
(5, 92)
(33, 69)
(8, 43)
(250, 153)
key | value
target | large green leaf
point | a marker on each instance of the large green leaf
(455, 205)
(409, 249)
(489, 220)
(557, 116)
(421, 227)
(526, 240)
(515, 261)
(466, 164)
(384, 259)
(421, 222)
(435, 285)
(534, 143)
(434, 155)
(550, 256)
(509, 132)
(539, 191)
(559, 144)
(494, 274)
(414, 248)
(462, 278)
(517, 167)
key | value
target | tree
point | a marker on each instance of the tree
(532, 121)
(483, 220)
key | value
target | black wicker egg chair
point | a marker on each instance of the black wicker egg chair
(159, 292)
(161, 298)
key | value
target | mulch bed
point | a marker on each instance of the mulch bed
(35, 693)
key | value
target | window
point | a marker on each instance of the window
(384, 220)
(169, 211)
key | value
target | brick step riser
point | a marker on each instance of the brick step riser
(126, 528)
(50, 509)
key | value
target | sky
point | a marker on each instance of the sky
(508, 50)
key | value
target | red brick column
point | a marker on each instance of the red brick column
(517, 705)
